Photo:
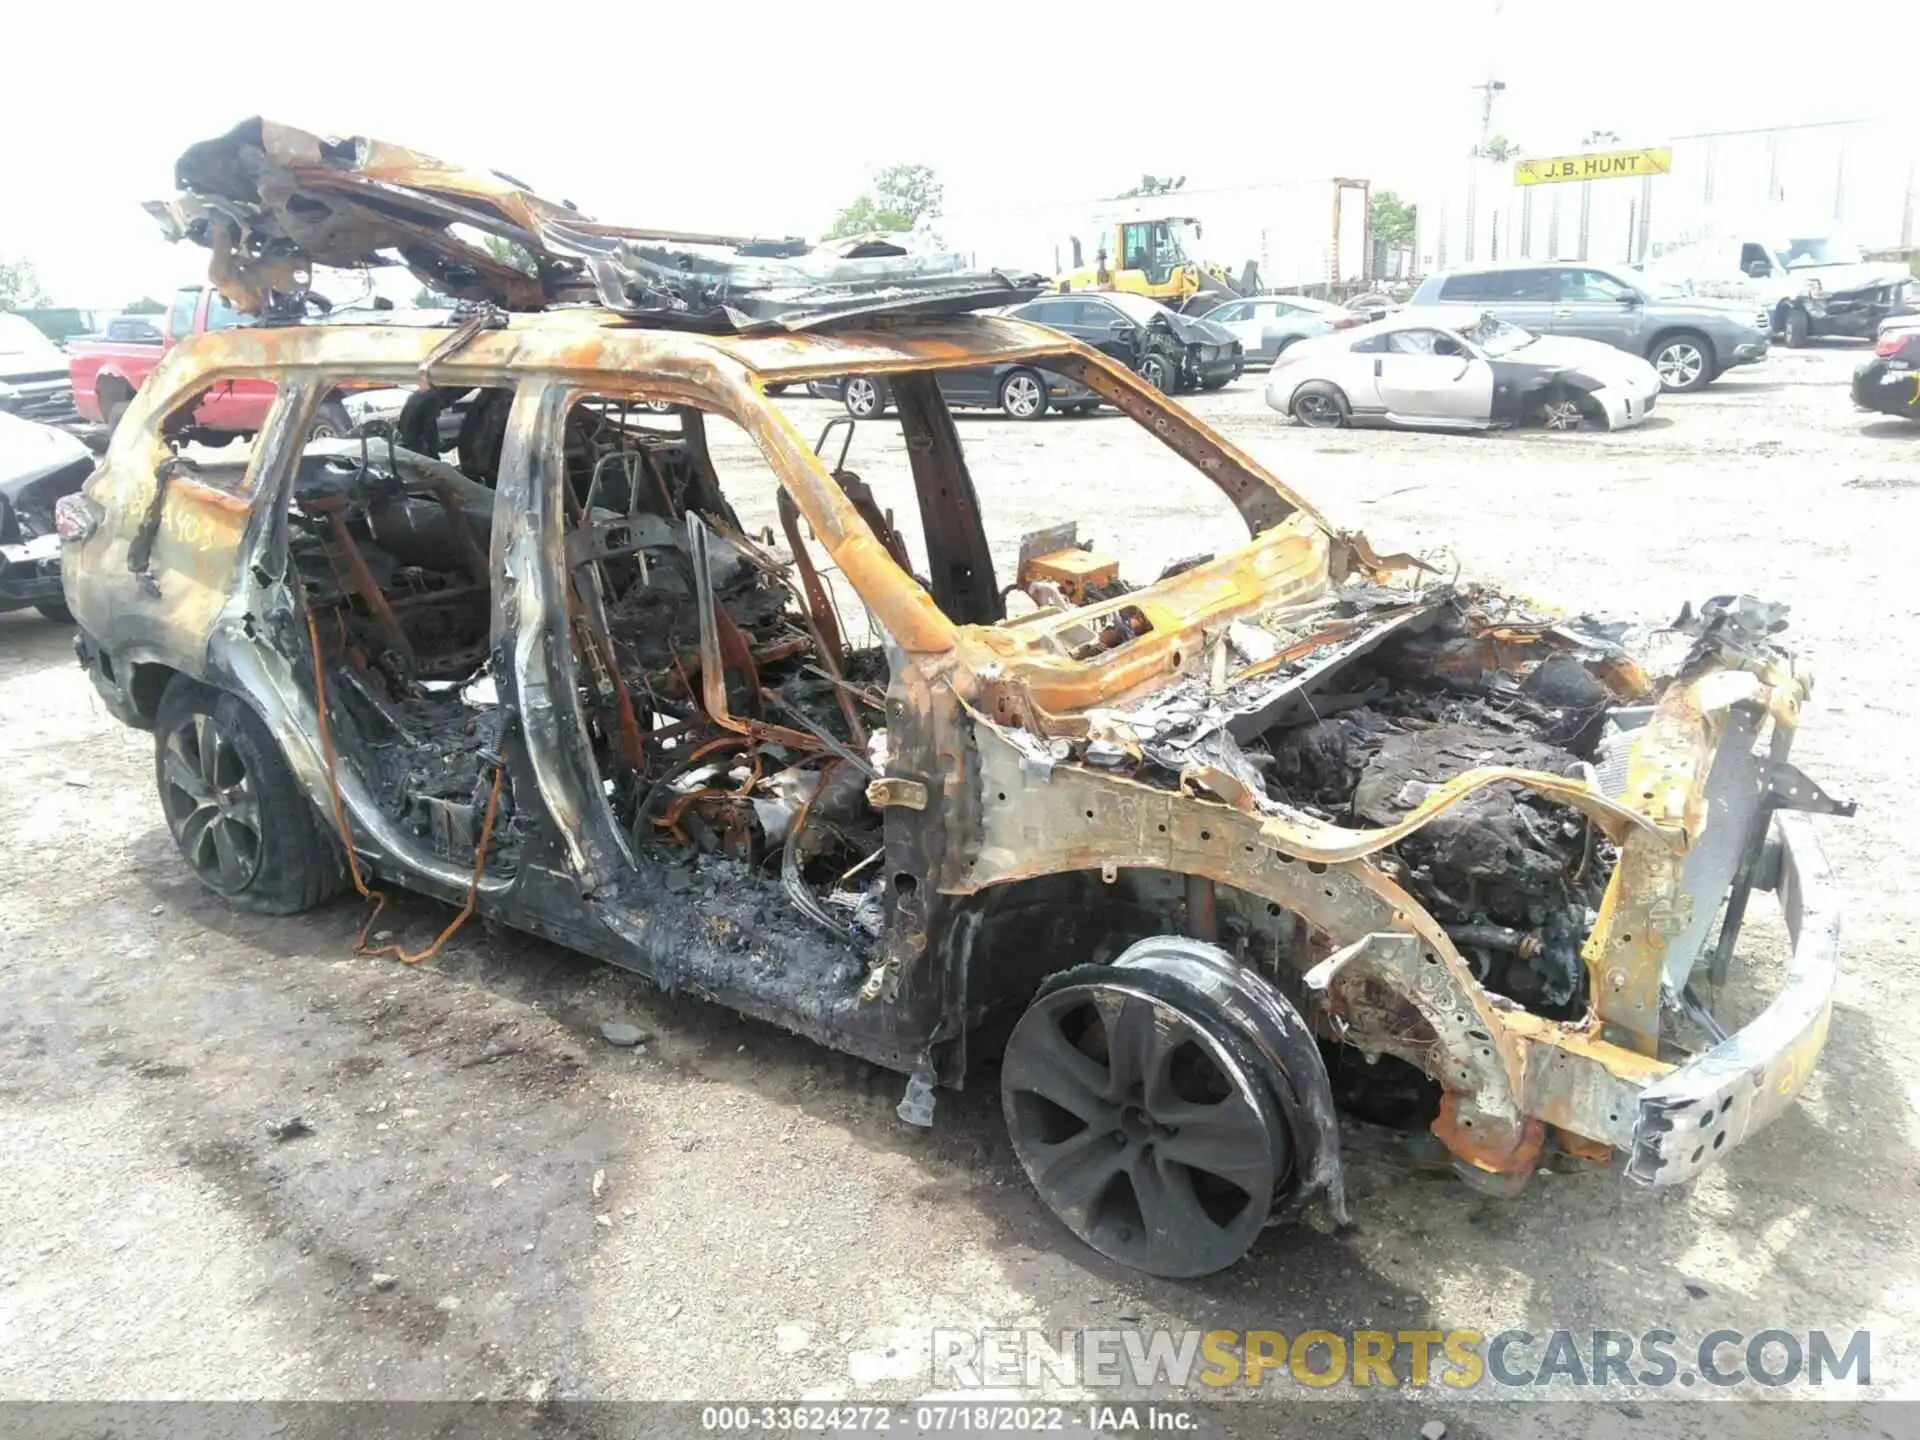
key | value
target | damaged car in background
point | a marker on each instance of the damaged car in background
(1188, 846)
(1456, 369)
(39, 466)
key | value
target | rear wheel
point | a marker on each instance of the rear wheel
(331, 422)
(1320, 406)
(1023, 395)
(863, 397)
(113, 414)
(1219, 382)
(236, 813)
(56, 611)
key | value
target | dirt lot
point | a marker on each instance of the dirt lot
(730, 1211)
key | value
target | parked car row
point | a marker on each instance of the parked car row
(1171, 351)
(1691, 340)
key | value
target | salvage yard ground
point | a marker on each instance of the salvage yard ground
(728, 1211)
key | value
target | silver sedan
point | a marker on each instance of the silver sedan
(1265, 325)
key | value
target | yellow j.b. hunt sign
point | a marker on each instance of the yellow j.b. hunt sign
(1602, 165)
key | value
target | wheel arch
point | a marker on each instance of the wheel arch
(148, 680)
(112, 388)
(1674, 332)
(1413, 996)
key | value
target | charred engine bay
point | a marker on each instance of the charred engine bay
(1514, 877)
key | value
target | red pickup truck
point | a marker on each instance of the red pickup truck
(105, 373)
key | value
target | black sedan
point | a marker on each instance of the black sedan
(1170, 351)
(1890, 381)
(1022, 391)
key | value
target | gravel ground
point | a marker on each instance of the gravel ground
(729, 1211)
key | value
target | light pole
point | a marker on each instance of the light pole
(1491, 88)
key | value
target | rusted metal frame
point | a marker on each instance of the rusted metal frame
(861, 494)
(1780, 745)
(713, 679)
(959, 562)
(334, 509)
(1645, 901)
(1039, 818)
(593, 612)
(1261, 499)
(470, 556)
(1690, 1116)
(532, 625)
(820, 618)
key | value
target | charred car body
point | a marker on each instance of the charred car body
(1156, 841)
(39, 466)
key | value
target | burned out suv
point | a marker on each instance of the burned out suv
(1153, 835)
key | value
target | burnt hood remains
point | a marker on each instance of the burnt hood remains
(271, 202)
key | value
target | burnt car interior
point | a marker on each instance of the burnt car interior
(731, 681)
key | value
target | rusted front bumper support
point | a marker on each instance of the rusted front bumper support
(1691, 1117)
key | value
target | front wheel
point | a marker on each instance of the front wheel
(1684, 362)
(1219, 382)
(1795, 329)
(1169, 1106)
(1160, 371)
(1023, 395)
(55, 610)
(236, 813)
(1560, 410)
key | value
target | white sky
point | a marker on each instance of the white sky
(766, 118)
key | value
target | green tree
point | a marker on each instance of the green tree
(1498, 147)
(509, 252)
(1393, 220)
(901, 197)
(425, 299)
(20, 285)
(1152, 185)
(145, 305)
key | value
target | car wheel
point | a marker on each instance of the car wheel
(1795, 328)
(1159, 1106)
(1219, 382)
(1685, 362)
(1159, 371)
(331, 423)
(863, 397)
(1560, 410)
(113, 415)
(56, 611)
(777, 388)
(1023, 395)
(235, 811)
(1320, 406)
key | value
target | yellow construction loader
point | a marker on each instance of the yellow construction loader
(1150, 257)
